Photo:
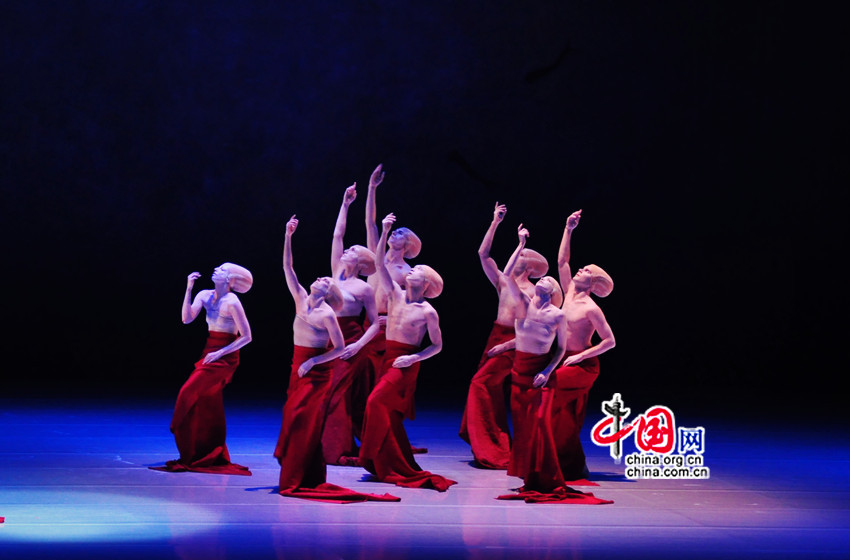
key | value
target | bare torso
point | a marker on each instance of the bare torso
(308, 328)
(397, 270)
(510, 306)
(408, 322)
(218, 312)
(354, 292)
(536, 332)
(579, 327)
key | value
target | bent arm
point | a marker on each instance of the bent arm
(243, 328)
(338, 342)
(191, 308)
(436, 337)
(560, 349)
(597, 319)
(385, 281)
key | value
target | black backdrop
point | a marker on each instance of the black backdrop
(706, 143)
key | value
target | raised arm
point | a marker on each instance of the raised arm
(371, 208)
(385, 281)
(191, 308)
(435, 335)
(487, 262)
(295, 288)
(337, 246)
(565, 276)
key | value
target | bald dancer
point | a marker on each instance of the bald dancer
(580, 369)
(385, 450)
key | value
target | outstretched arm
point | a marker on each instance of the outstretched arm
(191, 308)
(564, 274)
(337, 246)
(487, 262)
(288, 271)
(371, 208)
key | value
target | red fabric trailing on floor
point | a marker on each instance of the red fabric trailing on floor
(485, 419)
(198, 423)
(569, 407)
(562, 495)
(299, 446)
(332, 493)
(385, 450)
(533, 456)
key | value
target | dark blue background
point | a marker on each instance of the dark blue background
(706, 143)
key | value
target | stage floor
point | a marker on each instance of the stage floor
(74, 483)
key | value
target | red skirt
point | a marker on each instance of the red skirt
(198, 423)
(299, 446)
(485, 419)
(385, 450)
(569, 408)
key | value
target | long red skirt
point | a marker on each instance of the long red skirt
(198, 423)
(569, 408)
(485, 419)
(299, 446)
(385, 450)
(534, 456)
(342, 422)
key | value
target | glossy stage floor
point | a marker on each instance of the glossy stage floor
(74, 483)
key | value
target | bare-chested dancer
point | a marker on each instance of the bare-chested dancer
(581, 366)
(353, 372)
(198, 423)
(299, 446)
(485, 422)
(385, 450)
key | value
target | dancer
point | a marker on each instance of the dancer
(533, 454)
(385, 450)
(299, 447)
(198, 423)
(402, 244)
(353, 372)
(485, 419)
(581, 366)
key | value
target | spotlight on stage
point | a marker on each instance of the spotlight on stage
(59, 516)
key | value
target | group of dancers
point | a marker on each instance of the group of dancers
(357, 351)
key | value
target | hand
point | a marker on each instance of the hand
(540, 380)
(306, 366)
(574, 359)
(382, 320)
(499, 212)
(404, 361)
(350, 351)
(497, 349)
(350, 194)
(190, 280)
(522, 233)
(388, 222)
(291, 225)
(377, 176)
(572, 221)
(213, 356)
